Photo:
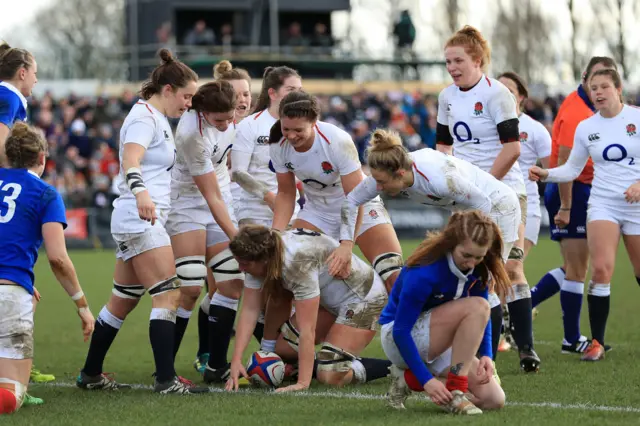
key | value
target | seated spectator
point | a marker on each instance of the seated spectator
(200, 35)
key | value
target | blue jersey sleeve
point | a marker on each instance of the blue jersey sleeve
(9, 107)
(485, 344)
(53, 210)
(416, 288)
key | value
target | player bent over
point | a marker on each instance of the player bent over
(32, 211)
(435, 326)
(341, 315)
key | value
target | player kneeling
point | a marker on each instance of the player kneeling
(342, 315)
(437, 316)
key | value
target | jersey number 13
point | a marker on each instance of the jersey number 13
(9, 200)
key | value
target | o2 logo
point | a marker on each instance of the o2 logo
(462, 132)
(616, 153)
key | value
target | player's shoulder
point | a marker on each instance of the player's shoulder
(332, 134)
(527, 121)
(10, 95)
(142, 112)
(447, 92)
(494, 89)
(189, 123)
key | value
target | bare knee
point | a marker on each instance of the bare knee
(189, 296)
(515, 271)
(120, 308)
(479, 306)
(602, 271)
(167, 300)
(494, 400)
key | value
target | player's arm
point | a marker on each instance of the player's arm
(365, 191)
(4, 135)
(444, 140)
(570, 170)
(307, 317)
(253, 187)
(137, 139)
(278, 311)
(502, 108)
(285, 200)
(567, 131)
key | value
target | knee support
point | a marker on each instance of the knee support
(518, 292)
(387, 264)
(192, 271)
(332, 358)
(225, 267)
(290, 335)
(516, 253)
(11, 395)
(128, 291)
(170, 284)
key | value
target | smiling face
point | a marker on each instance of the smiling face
(179, 100)
(243, 94)
(220, 120)
(604, 94)
(299, 132)
(29, 78)
(463, 69)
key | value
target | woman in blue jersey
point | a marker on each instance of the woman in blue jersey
(30, 211)
(18, 70)
(435, 325)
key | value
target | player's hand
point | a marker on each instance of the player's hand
(146, 207)
(632, 194)
(293, 388)
(88, 322)
(537, 173)
(340, 261)
(235, 371)
(563, 218)
(36, 294)
(485, 370)
(438, 392)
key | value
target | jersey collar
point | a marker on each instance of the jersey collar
(31, 172)
(454, 269)
(585, 98)
(16, 91)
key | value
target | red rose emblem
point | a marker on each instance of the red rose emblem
(477, 109)
(524, 136)
(327, 168)
(631, 129)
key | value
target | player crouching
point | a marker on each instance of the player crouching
(437, 316)
(341, 315)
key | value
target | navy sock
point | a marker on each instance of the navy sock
(375, 368)
(521, 323)
(571, 303)
(203, 332)
(547, 287)
(496, 327)
(598, 315)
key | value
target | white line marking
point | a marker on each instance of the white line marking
(378, 397)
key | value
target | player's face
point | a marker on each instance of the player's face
(254, 267)
(243, 93)
(298, 131)
(513, 88)
(290, 84)
(30, 78)
(389, 183)
(180, 99)
(220, 120)
(603, 92)
(464, 71)
(468, 255)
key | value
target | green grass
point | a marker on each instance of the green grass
(576, 387)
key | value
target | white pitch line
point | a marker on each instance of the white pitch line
(377, 397)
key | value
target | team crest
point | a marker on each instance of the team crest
(289, 166)
(327, 168)
(373, 214)
(523, 137)
(631, 129)
(478, 109)
(349, 314)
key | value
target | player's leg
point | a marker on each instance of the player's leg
(487, 396)
(603, 238)
(189, 251)
(288, 340)
(36, 376)
(379, 243)
(14, 379)
(223, 307)
(202, 356)
(125, 296)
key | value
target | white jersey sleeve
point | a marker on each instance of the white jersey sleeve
(194, 149)
(242, 148)
(443, 107)
(502, 105)
(277, 159)
(453, 185)
(578, 158)
(364, 192)
(302, 277)
(344, 152)
(140, 131)
(542, 142)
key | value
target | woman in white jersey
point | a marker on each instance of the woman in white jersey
(341, 315)
(201, 221)
(241, 82)
(611, 139)
(145, 260)
(250, 152)
(478, 122)
(324, 158)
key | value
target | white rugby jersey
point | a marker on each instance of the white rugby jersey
(306, 274)
(201, 149)
(614, 146)
(473, 116)
(250, 153)
(332, 155)
(535, 143)
(146, 126)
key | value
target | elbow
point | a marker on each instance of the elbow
(57, 262)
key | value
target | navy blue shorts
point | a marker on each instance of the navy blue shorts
(577, 227)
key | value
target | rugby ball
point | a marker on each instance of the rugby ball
(265, 369)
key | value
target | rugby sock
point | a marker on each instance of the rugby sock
(182, 320)
(599, 298)
(222, 315)
(496, 327)
(369, 369)
(412, 381)
(203, 332)
(8, 401)
(106, 329)
(455, 382)
(521, 323)
(571, 303)
(162, 329)
(258, 332)
(548, 286)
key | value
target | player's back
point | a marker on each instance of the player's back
(574, 109)
(25, 205)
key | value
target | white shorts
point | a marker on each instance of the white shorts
(189, 214)
(627, 216)
(16, 322)
(133, 244)
(506, 213)
(373, 213)
(420, 334)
